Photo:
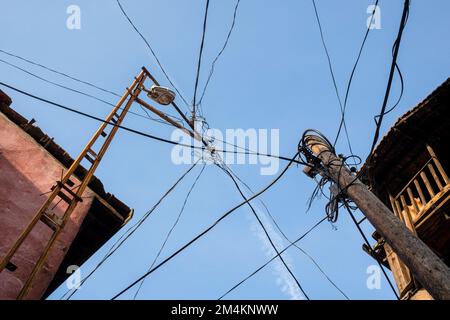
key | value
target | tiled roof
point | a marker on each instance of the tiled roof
(425, 123)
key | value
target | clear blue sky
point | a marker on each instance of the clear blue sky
(273, 74)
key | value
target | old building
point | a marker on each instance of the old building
(409, 172)
(30, 164)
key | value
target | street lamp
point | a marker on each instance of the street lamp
(161, 95)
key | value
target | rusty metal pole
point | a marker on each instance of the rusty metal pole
(131, 94)
(425, 265)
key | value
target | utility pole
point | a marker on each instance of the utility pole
(425, 265)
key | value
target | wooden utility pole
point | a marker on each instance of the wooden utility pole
(425, 265)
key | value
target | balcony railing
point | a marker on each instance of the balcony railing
(411, 202)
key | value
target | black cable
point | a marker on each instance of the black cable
(172, 228)
(211, 71)
(131, 230)
(56, 84)
(230, 173)
(59, 72)
(105, 90)
(147, 116)
(306, 144)
(280, 230)
(402, 89)
(151, 50)
(87, 115)
(89, 84)
(212, 139)
(78, 91)
(353, 73)
(288, 269)
(207, 230)
(200, 55)
(330, 66)
(394, 66)
(368, 244)
(265, 264)
(140, 133)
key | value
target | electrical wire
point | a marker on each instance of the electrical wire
(200, 55)
(59, 72)
(143, 134)
(349, 83)
(172, 228)
(394, 67)
(56, 84)
(151, 50)
(211, 71)
(82, 93)
(71, 110)
(330, 66)
(207, 230)
(91, 85)
(96, 118)
(105, 90)
(317, 138)
(273, 258)
(368, 244)
(280, 230)
(402, 87)
(130, 231)
(246, 200)
(87, 115)
(269, 238)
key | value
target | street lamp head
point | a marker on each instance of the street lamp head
(161, 95)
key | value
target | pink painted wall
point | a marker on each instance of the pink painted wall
(27, 171)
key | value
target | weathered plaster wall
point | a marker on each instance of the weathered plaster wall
(27, 171)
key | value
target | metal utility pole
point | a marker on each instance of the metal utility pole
(425, 265)
(55, 216)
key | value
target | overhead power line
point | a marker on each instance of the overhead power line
(56, 84)
(213, 65)
(350, 80)
(266, 233)
(206, 231)
(394, 66)
(151, 50)
(60, 73)
(273, 258)
(177, 220)
(131, 230)
(87, 115)
(140, 133)
(333, 78)
(280, 230)
(200, 55)
(358, 227)
(147, 116)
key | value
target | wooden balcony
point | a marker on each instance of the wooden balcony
(424, 206)
(427, 190)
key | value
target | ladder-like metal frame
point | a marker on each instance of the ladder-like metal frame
(63, 190)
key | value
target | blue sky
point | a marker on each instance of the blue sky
(273, 74)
